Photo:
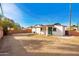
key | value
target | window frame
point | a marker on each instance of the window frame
(55, 29)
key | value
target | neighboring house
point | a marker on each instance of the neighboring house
(73, 28)
(58, 30)
(78, 26)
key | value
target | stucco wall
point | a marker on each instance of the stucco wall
(36, 30)
(43, 31)
(1, 33)
(60, 30)
(33, 30)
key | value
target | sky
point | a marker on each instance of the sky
(28, 14)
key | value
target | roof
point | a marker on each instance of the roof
(36, 26)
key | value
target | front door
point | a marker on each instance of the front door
(50, 30)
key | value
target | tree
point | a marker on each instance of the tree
(0, 20)
(57, 24)
(8, 23)
(16, 26)
(74, 25)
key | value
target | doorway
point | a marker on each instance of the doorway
(66, 33)
(50, 30)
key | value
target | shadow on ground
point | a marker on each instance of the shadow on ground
(1, 42)
(4, 46)
(23, 34)
(69, 47)
(35, 44)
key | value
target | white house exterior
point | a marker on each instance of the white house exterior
(58, 30)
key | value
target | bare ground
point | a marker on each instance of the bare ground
(38, 45)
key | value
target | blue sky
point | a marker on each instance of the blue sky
(28, 14)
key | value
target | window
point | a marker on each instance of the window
(41, 29)
(54, 29)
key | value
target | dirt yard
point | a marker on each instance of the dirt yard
(39, 45)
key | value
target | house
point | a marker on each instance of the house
(58, 30)
(73, 28)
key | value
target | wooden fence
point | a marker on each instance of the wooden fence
(20, 31)
(74, 33)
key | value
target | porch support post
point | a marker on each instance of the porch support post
(46, 31)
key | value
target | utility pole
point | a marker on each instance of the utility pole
(70, 17)
(1, 10)
(1, 16)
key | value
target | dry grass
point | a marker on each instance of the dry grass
(44, 37)
(55, 44)
(59, 39)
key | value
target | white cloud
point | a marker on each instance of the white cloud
(12, 11)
